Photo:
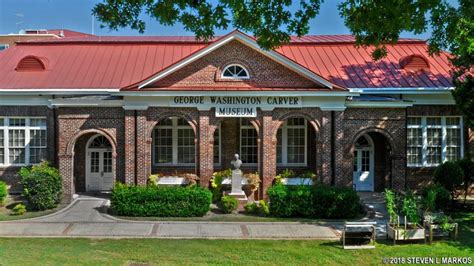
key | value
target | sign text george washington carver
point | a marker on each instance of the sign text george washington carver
(237, 106)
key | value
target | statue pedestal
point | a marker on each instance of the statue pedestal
(237, 191)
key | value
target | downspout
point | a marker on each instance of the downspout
(136, 148)
(333, 149)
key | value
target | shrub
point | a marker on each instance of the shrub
(409, 207)
(449, 175)
(435, 197)
(19, 209)
(318, 201)
(153, 180)
(259, 209)
(160, 201)
(253, 180)
(216, 183)
(228, 204)
(42, 186)
(3, 192)
(391, 203)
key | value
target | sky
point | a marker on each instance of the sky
(76, 15)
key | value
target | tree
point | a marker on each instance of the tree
(373, 22)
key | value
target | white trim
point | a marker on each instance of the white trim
(26, 128)
(371, 149)
(403, 90)
(240, 141)
(58, 91)
(101, 164)
(236, 93)
(424, 131)
(236, 35)
(247, 76)
(376, 104)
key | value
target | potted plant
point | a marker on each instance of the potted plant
(440, 225)
(407, 205)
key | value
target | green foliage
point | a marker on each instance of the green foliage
(216, 183)
(435, 197)
(153, 179)
(271, 22)
(3, 192)
(309, 174)
(160, 201)
(449, 175)
(287, 173)
(261, 208)
(391, 202)
(467, 166)
(318, 201)
(228, 204)
(410, 207)
(42, 186)
(19, 209)
(445, 224)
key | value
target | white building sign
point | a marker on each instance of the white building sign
(237, 106)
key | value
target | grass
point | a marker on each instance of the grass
(13, 200)
(36, 251)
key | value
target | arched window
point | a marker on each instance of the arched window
(292, 142)
(235, 71)
(100, 142)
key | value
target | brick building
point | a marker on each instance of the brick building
(118, 109)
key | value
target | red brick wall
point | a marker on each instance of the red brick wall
(262, 70)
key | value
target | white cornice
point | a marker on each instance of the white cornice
(404, 90)
(236, 93)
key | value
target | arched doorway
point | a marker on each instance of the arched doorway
(363, 166)
(99, 164)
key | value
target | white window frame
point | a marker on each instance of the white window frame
(424, 131)
(174, 129)
(240, 139)
(235, 77)
(6, 138)
(284, 144)
(5, 46)
(220, 147)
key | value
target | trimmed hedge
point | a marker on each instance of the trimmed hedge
(228, 204)
(42, 186)
(318, 201)
(3, 192)
(160, 201)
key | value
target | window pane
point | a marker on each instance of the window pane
(414, 121)
(95, 162)
(186, 150)
(414, 155)
(216, 147)
(296, 121)
(16, 138)
(296, 145)
(163, 145)
(433, 121)
(433, 155)
(414, 146)
(107, 162)
(17, 122)
(414, 137)
(279, 146)
(166, 122)
(453, 121)
(453, 143)
(37, 138)
(249, 147)
(17, 155)
(37, 155)
(2, 149)
(38, 122)
(1, 122)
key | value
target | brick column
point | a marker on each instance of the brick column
(130, 149)
(66, 166)
(206, 150)
(268, 155)
(398, 172)
(324, 152)
(343, 161)
(143, 149)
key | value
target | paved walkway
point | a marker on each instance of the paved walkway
(86, 217)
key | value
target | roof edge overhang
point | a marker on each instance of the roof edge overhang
(246, 40)
(404, 90)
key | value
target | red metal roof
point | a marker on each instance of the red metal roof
(116, 62)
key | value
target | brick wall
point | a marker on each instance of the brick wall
(9, 174)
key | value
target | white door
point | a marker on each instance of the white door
(363, 175)
(99, 170)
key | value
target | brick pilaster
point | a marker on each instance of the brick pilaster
(268, 155)
(206, 151)
(343, 158)
(324, 149)
(65, 162)
(143, 149)
(130, 148)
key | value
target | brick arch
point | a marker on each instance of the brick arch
(70, 145)
(297, 114)
(381, 131)
(191, 121)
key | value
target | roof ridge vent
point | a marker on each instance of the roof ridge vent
(30, 63)
(414, 62)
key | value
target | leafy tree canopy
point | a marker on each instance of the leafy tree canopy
(373, 22)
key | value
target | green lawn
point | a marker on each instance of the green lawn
(34, 251)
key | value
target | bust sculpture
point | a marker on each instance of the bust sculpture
(237, 162)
